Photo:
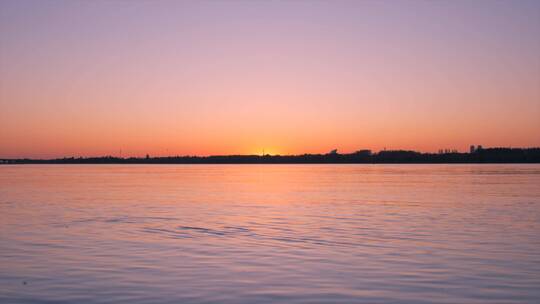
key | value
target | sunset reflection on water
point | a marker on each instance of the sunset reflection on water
(270, 233)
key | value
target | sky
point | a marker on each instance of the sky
(130, 78)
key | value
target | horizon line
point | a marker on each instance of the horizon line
(333, 152)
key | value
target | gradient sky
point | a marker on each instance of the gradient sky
(224, 77)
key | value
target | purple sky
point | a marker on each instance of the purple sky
(223, 77)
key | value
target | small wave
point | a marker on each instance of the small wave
(167, 232)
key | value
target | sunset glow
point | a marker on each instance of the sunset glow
(129, 78)
(264, 151)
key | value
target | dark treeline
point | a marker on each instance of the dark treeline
(488, 155)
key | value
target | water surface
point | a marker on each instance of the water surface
(270, 234)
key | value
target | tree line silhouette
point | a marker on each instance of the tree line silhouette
(487, 155)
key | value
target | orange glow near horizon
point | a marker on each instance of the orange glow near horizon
(215, 78)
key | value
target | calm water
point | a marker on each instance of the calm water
(270, 234)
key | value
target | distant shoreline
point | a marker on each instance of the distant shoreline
(476, 156)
